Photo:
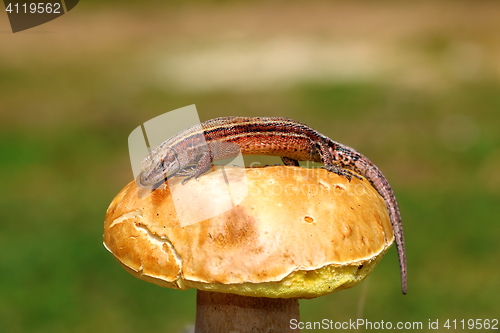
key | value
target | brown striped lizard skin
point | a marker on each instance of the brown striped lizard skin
(190, 153)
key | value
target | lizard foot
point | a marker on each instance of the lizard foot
(348, 174)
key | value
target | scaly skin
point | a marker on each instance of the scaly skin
(291, 140)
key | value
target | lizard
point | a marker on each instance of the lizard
(190, 153)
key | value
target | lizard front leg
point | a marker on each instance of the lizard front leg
(204, 164)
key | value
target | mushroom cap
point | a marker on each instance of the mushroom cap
(298, 232)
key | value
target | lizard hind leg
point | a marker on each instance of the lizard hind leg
(348, 174)
(289, 161)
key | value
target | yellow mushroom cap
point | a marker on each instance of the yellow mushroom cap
(298, 233)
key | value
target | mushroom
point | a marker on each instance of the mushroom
(298, 233)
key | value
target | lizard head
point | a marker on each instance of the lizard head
(157, 168)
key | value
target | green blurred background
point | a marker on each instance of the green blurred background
(413, 85)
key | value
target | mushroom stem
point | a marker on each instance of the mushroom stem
(219, 312)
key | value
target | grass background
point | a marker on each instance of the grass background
(414, 86)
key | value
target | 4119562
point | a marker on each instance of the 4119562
(34, 8)
(471, 324)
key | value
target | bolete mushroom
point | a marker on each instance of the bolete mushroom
(298, 233)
